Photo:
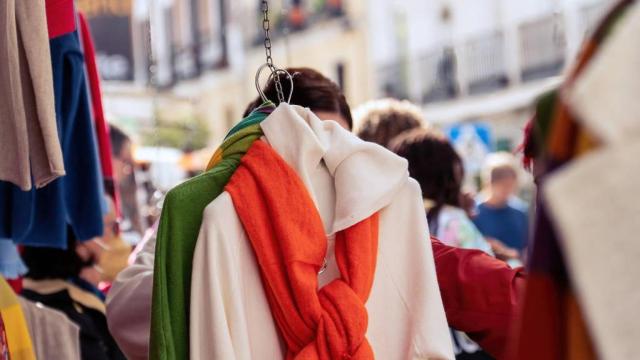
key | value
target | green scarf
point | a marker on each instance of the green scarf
(176, 241)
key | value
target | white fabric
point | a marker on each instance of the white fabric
(594, 199)
(129, 303)
(605, 96)
(597, 212)
(349, 180)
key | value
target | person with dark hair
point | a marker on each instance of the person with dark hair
(54, 279)
(434, 163)
(124, 166)
(466, 277)
(311, 90)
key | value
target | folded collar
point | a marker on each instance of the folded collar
(366, 176)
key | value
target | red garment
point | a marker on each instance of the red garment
(16, 284)
(101, 125)
(289, 241)
(60, 17)
(480, 295)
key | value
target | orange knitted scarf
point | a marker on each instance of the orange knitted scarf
(289, 241)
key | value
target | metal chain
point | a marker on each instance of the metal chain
(267, 50)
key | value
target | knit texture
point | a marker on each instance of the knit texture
(176, 241)
(289, 241)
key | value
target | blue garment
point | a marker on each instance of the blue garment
(40, 217)
(508, 224)
(11, 265)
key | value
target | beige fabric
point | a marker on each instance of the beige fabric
(230, 315)
(597, 212)
(607, 95)
(14, 143)
(594, 200)
(129, 302)
(54, 336)
(30, 145)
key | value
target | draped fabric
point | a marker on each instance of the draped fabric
(551, 313)
(289, 241)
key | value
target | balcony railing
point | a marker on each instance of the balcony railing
(481, 64)
(392, 77)
(542, 47)
(484, 58)
(438, 76)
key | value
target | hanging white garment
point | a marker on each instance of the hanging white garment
(349, 180)
(606, 95)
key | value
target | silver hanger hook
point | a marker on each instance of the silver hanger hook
(258, 87)
(273, 73)
(290, 77)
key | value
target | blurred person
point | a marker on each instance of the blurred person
(438, 168)
(124, 169)
(467, 278)
(501, 216)
(379, 121)
(53, 279)
(114, 252)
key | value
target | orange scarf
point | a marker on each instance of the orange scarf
(289, 241)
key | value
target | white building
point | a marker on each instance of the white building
(476, 59)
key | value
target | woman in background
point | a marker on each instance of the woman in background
(434, 163)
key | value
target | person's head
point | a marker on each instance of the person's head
(311, 90)
(500, 175)
(121, 151)
(379, 121)
(120, 142)
(434, 163)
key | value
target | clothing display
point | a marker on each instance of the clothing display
(466, 279)
(276, 212)
(100, 122)
(18, 340)
(599, 240)
(230, 313)
(557, 309)
(29, 140)
(40, 217)
(81, 307)
(54, 335)
(176, 240)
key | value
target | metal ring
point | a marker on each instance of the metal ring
(258, 87)
(277, 70)
(290, 82)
